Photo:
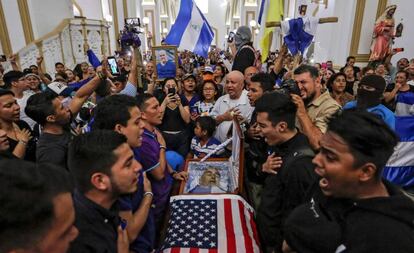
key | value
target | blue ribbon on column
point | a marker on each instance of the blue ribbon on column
(298, 39)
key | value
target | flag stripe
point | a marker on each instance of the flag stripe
(194, 250)
(248, 244)
(238, 229)
(404, 126)
(250, 218)
(231, 242)
(175, 250)
(403, 155)
(221, 225)
(204, 41)
(190, 35)
(253, 226)
(183, 18)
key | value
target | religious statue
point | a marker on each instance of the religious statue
(384, 34)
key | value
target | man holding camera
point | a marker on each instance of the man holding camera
(313, 107)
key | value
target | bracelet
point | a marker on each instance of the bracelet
(149, 193)
(101, 75)
(173, 173)
(163, 147)
(23, 142)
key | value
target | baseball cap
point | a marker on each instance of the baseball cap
(188, 75)
(208, 69)
(60, 89)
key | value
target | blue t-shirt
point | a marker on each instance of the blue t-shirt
(385, 114)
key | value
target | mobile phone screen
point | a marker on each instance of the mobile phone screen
(113, 66)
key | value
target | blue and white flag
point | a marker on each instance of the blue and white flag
(298, 33)
(400, 167)
(191, 30)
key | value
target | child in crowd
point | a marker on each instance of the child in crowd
(209, 91)
(203, 142)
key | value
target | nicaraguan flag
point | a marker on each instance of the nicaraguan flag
(298, 33)
(191, 30)
(400, 167)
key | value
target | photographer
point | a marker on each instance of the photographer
(313, 107)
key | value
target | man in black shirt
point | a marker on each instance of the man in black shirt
(243, 51)
(289, 165)
(47, 110)
(103, 166)
(353, 209)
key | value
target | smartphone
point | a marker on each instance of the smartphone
(3, 58)
(231, 37)
(171, 91)
(324, 65)
(113, 66)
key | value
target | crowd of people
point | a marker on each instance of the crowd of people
(88, 160)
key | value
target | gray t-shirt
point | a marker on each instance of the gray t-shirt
(53, 148)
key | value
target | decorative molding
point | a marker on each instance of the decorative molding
(26, 22)
(4, 34)
(150, 15)
(250, 15)
(356, 32)
(79, 7)
(116, 26)
(125, 7)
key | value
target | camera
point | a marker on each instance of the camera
(289, 87)
(129, 35)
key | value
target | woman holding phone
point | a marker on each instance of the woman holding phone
(175, 118)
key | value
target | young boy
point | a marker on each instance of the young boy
(203, 142)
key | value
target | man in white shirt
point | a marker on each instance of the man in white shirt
(234, 103)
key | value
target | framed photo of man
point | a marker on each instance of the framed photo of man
(165, 59)
(212, 176)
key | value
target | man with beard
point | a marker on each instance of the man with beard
(314, 107)
(103, 167)
(369, 96)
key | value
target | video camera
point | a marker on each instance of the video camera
(289, 87)
(129, 35)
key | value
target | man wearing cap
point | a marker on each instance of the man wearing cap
(15, 81)
(48, 111)
(369, 96)
(242, 49)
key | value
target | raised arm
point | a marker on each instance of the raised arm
(86, 90)
(42, 76)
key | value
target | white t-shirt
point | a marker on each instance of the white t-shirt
(22, 102)
(223, 104)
